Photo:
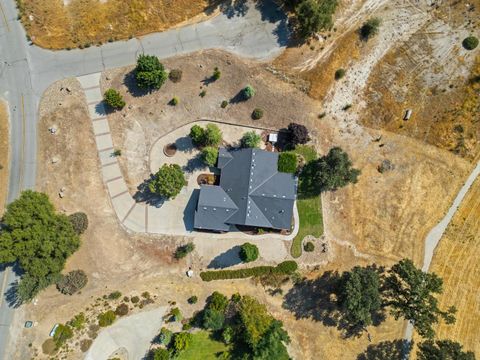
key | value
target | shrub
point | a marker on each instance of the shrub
(174, 101)
(227, 335)
(49, 347)
(181, 341)
(257, 114)
(213, 135)
(165, 336)
(209, 155)
(107, 318)
(78, 321)
(287, 162)
(213, 319)
(150, 73)
(175, 75)
(184, 250)
(340, 73)
(121, 310)
(160, 354)
(248, 252)
(114, 99)
(250, 140)
(186, 326)
(85, 344)
(470, 42)
(192, 299)
(309, 247)
(114, 295)
(168, 181)
(135, 299)
(79, 221)
(176, 314)
(297, 134)
(197, 134)
(248, 92)
(203, 93)
(216, 74)
(224, 104)
(370, 28)
(286, 267)
(72, 282)
(62, 334)
(117, 152)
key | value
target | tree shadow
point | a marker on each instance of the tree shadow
(184, 144)
(228, 258)
(315, 299)
(233, 8)
(131, 84)
(189, 211)
(208, 80)
(11, 295)
(102, 108)
(195, 163)
(144, 194)
(238, 98)
(387, 350)
(271, 12)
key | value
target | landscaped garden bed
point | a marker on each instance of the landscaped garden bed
(170, 150)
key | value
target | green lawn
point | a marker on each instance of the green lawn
(202, 347)
(309, 210)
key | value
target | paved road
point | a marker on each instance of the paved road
(26, 71)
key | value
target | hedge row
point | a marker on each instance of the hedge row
(286, 268)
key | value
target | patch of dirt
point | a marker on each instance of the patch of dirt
(4, 154)
(53, 25)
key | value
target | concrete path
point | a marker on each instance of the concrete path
(132, 335)
(435, 235)
(167, 219)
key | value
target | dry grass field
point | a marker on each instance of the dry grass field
(4, 154)
(53, 25)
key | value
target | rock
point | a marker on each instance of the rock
(107, 77)
(61, 195)
(63, 189)
(52, 129)
(68, 90)
(55, 160)
(385, 166)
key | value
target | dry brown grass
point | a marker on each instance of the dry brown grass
(90, 22)
(4, 154)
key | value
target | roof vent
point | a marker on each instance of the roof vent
(214, 209)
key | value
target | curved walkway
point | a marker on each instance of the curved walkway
(141, 216)
(131, 335)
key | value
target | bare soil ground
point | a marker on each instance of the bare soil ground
(51, 24)
(4, 154)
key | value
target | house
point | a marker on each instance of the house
(252, 193)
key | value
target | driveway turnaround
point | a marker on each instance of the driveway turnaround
(130, 335)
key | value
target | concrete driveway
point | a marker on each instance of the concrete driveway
(130, 335)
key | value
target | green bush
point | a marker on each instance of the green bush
(309, 247)
(150, 73)
(197, 134)
(248, 92)
(370, 28)
(287, 162)
(135, 299)
(470, 42)
(340, 73)
(213, 135)
(209, 155)
(213, 319)
(224, 104)
(315, 15)
(114, 99)
(248, 252)
(192, 299)
(216, 74)
(286, 268)
(62, 334)
(78, 321)
(203, 93)
(107, 318)
(184, 250)
(257, 114)
(79, 222)
(114, 295)
(227, 335)
(250, 140)
(168, 181)
(165, 336)
(72, 282)
(160, 354)
(176, 314)
(174, 101)
(181, 341)
(175, 75)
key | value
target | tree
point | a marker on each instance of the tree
(409, 292)
(248, 92)
(340, 73)
(72, 282)
(297, 134)
(197, 134)
(184, 250)
(39, 239)
(470, 42)
(161, 354)
(209, 155)
(62, 334)
(255, 320)
(390, 349)
(212, 135)
(213, 319)
(181, 341)
(314, 16)
(250, 140)
(272, 344)
(216, 74)
(443, 350)
(79, 222)
(217, 301)
(287, 162)
(248, 252)
(329, 172)
(114, 99)
(359, 295)
(370, 28)
(168, 181)
(150, 73)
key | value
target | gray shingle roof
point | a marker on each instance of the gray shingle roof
(251, 189)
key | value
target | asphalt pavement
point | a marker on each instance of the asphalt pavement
(258, 31)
